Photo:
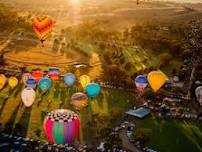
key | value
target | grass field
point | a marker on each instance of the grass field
(101, 113)
(173, 135)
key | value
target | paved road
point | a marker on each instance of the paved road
(126, 144)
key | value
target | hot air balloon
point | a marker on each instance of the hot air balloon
(43, 26)
(54, 73)
(31, 82)
(79, 100)
(28, 96)
(198, 93)
(141, 83)
(62, 126)
(84, 80)
(69, 79)
(2, 81)
(25, 77)
(156, 80)
(37, 75)
(12, 82)
(45, 84)
(93, 90)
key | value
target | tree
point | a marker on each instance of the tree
(142, 134)
(164, 59)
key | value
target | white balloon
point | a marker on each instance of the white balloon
(198, 93)
(28, 96)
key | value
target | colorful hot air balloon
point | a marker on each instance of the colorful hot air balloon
(28, 96)
(62, 126)
(156, 80)
(12, 82)
(79, 100)
(25, 77)
(141, 83)
(31, 82)
(45, 84)
(69, 79)
(54, 73)
(93, 90)
(198, 93)
(43, 26)
(84, 80)
(2, 81)
(37, 75)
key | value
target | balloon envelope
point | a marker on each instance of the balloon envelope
(37, 75)
(141, 82)
(31, 82)
(79, 100)
(54, 73)
(25, 77)
(62, 126)
(84, 80)
(28, 96)
(43, 26)
(93, 89)
(45, 84)
(2, 80)
(156, 80)
(12, 81)
(69, 79)
(198, 93)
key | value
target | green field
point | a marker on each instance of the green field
(100, 114)
(173, 135)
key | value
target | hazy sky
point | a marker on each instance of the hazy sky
(183, 1)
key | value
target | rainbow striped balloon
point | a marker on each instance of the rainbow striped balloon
(62, 126)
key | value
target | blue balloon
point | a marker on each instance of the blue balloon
(53, 71)
(69, 79)
(31, 82)
(141, 79)
(93, 90)
(45, 84)
(141, 82)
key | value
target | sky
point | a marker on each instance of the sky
(183, 1)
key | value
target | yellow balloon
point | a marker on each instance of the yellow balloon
(84, 80)
(156, 79)
(2, 80)
(12, 81)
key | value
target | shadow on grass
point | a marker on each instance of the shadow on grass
(22, 126)
(11, 121)
(3, 105)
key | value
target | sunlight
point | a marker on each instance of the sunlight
(75, 9)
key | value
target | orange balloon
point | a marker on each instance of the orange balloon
(156, 80)
(43, 26)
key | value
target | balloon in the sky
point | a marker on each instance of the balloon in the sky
(79, 100)
(198, 93)
(2, 80)
(12, 82)
(45, 84)
(93, 90)
(62, 126)
(25, 77)
(54, 73)
(43, 26)
(31, 82)
(156, 80)
(141, 83)
(37, 75)
(84, 80)
(28, 96)
(69, 79)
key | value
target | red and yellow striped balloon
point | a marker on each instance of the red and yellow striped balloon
(43, 26)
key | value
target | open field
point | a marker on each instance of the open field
(100, 115)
